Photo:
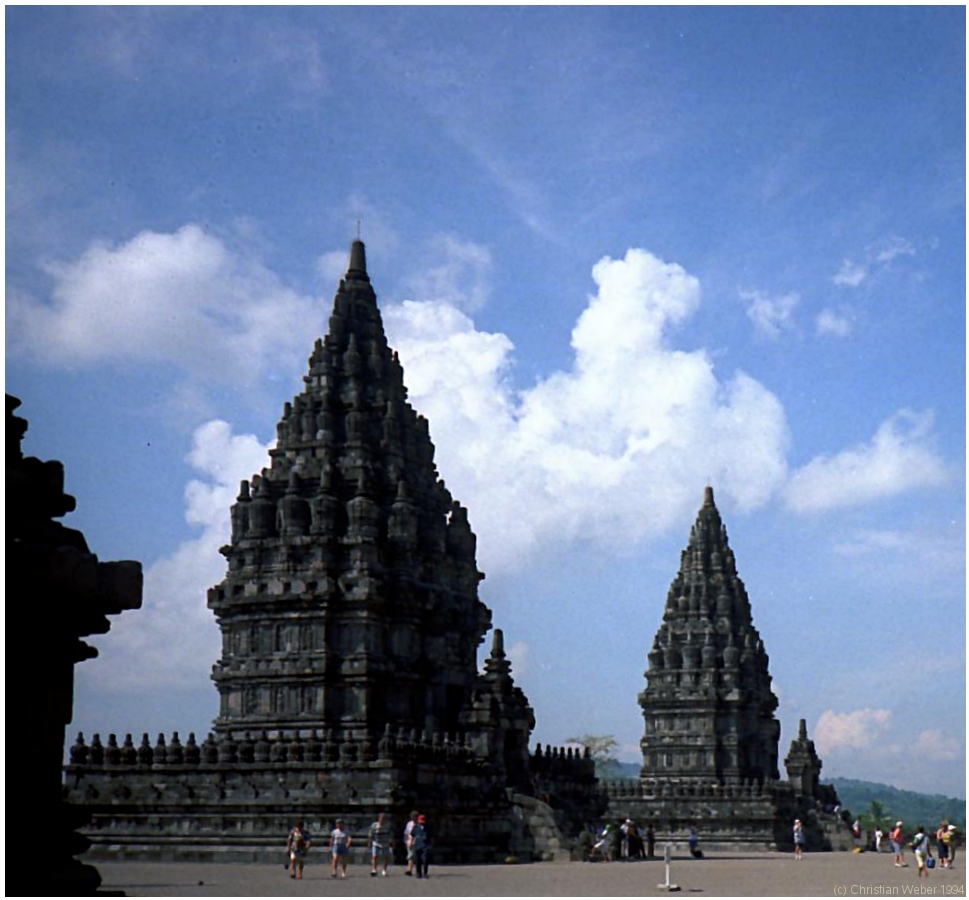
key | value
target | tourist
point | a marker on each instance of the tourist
(693, 840)
(420, 841)
(650, 840)
(879, 834)
(898, 845)
(408, 828)
(798, 838)
(340, 842)
(297, 844)
(636, 848)
(379, 845)
(601, 848)
(920, 844)
(624, 839)
(942, 844)
(952, 843)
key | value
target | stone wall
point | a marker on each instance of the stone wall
(218, 802)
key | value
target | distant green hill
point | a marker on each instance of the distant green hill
(911, 807)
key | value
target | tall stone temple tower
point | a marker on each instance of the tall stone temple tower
(708, 706)
(710, 746)
(351, 600)
(350, 623)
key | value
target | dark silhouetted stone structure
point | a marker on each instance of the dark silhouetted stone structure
(57, 593)
(711, 740)
(350, 624)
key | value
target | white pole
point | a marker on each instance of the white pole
(667, 860)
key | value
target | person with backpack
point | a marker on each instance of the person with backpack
(298, 844)
(920, 844)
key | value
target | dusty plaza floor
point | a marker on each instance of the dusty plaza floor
(718, 875)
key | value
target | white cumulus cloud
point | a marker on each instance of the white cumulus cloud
(855, 730)
(184, 298)
(617, 448)
(174, 639)
(898, 458)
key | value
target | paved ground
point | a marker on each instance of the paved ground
(718, 875)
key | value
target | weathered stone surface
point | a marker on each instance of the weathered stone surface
(710, 745)
(350, 624)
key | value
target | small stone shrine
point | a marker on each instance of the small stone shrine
(350, 623)
(710, 746)
(58, 592)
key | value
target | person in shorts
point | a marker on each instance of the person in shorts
(898, 838)
(340, 841)
(379, 845)
(798, 838)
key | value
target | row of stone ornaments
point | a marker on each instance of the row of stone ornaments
(658, 788)
(272, 748)
(562, 760)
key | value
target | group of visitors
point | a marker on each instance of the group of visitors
(623, 841)
(417, 841)
(946, 841)
(628, 841)
(945, 837)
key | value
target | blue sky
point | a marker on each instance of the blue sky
(623, 253)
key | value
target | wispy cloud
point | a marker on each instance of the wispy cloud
(454, 271)
(898, 458)
(933, 745)
(770, 315)
(876, 256)
(832, 322)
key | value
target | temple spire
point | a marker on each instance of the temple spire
(358, 261)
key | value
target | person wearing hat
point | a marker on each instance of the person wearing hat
(898, 844)
(952, 843)
(420, 843)
(798, 838)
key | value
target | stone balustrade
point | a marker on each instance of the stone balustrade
(275, 747)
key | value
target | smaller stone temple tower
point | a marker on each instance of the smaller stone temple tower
(708, 706)
(803, 763)
(711, 738)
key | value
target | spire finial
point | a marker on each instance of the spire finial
(708, 496)
(358, 261)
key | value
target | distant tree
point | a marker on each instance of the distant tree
(876, 817)
(602, 748)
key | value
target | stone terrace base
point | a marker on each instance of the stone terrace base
(726, 817)
(243, 813)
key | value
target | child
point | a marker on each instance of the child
(339, 846)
